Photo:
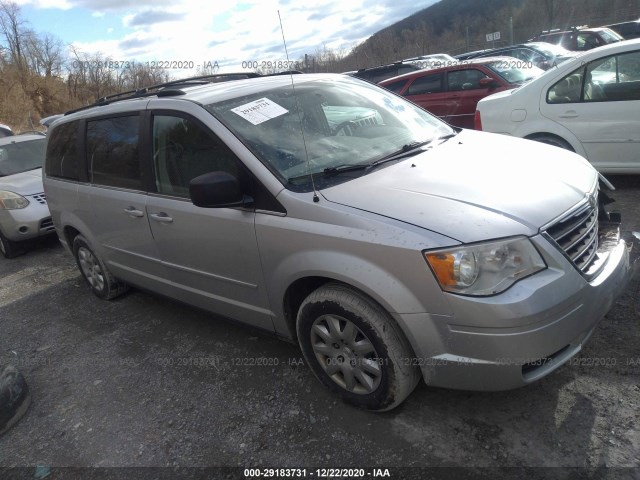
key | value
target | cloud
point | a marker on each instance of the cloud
(113, 5)
(316, 16)
(151, 17)
(135, 43)
(203, 31)
(59, 4)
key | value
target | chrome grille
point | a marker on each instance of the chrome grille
(577, 236)
(40, 198)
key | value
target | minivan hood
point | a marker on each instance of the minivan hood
(473, 187)
(25, 183)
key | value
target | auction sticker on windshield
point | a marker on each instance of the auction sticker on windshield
(259, 111)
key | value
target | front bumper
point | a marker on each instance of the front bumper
(525, 333)
(25, 223)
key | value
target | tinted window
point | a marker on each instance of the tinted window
(182, 150)
(112, 152)
(63, 160)
(396, 86)
(587, 41)
(464, 79)
(426, 84)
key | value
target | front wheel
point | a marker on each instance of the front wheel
(102, 282)
(8, 248)
(355, 349)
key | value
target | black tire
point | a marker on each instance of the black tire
(102, 282)
(347, 365)
(553, 140)
(8, 248)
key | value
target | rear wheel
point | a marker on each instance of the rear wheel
(355, 349)
(8, 248)
(99, 278)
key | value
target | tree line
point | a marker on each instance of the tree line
(41, 76)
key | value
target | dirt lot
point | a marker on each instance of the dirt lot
(143, 381)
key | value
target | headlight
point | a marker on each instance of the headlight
(484, 268)
(12, 201)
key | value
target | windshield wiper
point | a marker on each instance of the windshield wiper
(407, 150)
(345, 168)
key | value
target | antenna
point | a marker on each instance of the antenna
(316, 198)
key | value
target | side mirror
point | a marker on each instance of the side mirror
(487, 82)
(218, 190)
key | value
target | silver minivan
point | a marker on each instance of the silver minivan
(331, 212)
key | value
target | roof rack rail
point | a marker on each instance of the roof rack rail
(164, 90)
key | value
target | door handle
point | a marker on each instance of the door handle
(161, 217)
(134, 212)
(570, 114)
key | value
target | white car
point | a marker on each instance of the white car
(589, 104)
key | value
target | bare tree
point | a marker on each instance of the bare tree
(16, 34)
(46, 54)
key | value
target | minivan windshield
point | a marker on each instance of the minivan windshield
(20, 156)
(326, 126)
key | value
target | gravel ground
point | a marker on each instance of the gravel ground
(143, 381)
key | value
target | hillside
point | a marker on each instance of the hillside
(454, 26)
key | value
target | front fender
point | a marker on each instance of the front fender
(381, 284)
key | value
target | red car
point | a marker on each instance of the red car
(452, 92)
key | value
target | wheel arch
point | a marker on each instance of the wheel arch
(538, 129)
(538, 135)
(300, 289)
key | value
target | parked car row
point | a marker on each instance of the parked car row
(590, 105)
(579, 38)
(540, 54)
(453, 92)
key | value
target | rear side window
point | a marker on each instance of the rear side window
(396, 87)
(113, 153)
(63, 159)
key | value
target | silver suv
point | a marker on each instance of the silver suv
(331, 212)
(23, 207)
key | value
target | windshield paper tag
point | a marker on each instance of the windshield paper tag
(259, 111)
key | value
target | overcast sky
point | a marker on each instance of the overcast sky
(202, 31)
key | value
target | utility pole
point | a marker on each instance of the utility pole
(510, 30)
(510, 22)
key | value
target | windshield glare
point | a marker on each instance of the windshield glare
(550, 49)
(21, 156)
(343, 121)
(515, 71)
